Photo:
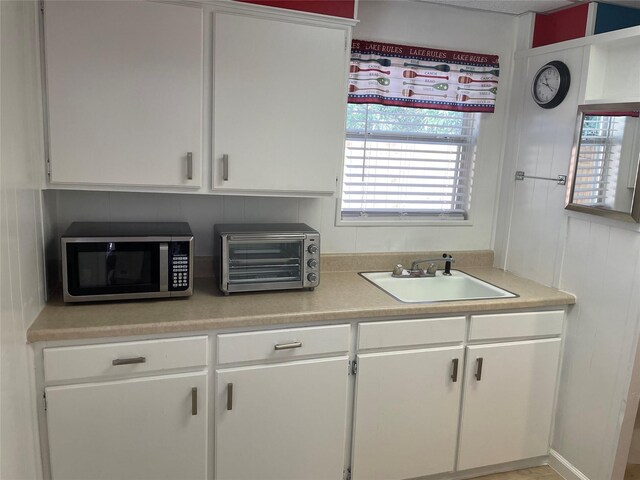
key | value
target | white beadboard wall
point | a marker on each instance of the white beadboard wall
(21, 266)
(596, 259)
(400, 22)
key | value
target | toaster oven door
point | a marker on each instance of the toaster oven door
(264, 263)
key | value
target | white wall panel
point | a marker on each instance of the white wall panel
(596, 259)
(602, 267)
(21, 246)
(542, 148)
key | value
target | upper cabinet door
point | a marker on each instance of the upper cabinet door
(124, 87)
(280, 94)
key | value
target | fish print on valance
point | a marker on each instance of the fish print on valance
(419, 77)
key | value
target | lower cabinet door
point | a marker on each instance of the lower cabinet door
(406, 413)
(282, 421)
(145, 428)
(508, 402)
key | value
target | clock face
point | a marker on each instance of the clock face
(547, 84)
(551, 84)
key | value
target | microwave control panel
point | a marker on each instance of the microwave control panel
(179, 268)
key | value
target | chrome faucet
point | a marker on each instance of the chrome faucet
(400, 272)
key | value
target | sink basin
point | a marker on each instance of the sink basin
(441, 288)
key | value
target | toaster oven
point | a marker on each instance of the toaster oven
(266, 256)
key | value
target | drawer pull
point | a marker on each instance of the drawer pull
(229, 396)
(287, 346)
(129, 361)
(478, 373)
(194, 401)
(454, 372)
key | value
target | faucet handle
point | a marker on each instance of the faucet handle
(398, 269)
(448, 260)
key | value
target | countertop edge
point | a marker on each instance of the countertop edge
(402, 310)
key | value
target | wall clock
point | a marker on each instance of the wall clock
(551, 84)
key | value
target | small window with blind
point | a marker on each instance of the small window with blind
(408, 163)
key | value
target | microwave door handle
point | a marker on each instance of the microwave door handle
(164, 267)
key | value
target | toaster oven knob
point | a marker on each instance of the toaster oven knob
(312, 277)
(313, 263)
(312, 249)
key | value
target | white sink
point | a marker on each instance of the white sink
(441, 288)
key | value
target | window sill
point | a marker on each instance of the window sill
(403, 223)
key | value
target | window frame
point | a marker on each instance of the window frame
(407, 220)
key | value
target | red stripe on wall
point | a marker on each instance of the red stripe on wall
(336, 8)
(559, 26)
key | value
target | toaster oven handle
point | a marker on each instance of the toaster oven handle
(164, 267)
(267, 237)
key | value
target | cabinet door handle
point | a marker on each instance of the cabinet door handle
(229, 396)
(478, 373)
(287, 346)
(225, 167)
(189, 166)
(194, 401)
(454, 370)
(129, 361)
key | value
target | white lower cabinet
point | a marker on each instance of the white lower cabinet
(406, 413)
(144, 428)
(128, 410)
(508, 402)
(428, 400)
(282, 421)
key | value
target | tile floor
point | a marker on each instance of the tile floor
(536, 473)
(633, 472)
(547, 473)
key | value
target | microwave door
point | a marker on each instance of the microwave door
(271, 263)
(113, 268)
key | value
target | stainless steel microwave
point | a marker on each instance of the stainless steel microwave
(266, 256)
(126, 260)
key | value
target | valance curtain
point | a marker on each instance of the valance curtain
(419, 77)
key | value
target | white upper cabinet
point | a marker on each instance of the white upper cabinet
(125, 93)
(280, 94)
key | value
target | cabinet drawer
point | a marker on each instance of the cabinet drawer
(125, 358)
(282, 344)
(409, 333)
(516, 325)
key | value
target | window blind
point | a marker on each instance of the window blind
(598, 160)
(404, 162)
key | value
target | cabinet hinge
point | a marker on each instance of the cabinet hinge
(48, 168)
(346, 474)
(353, 367)
(44, 396)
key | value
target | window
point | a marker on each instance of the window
(598, 161)
(407, 163)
